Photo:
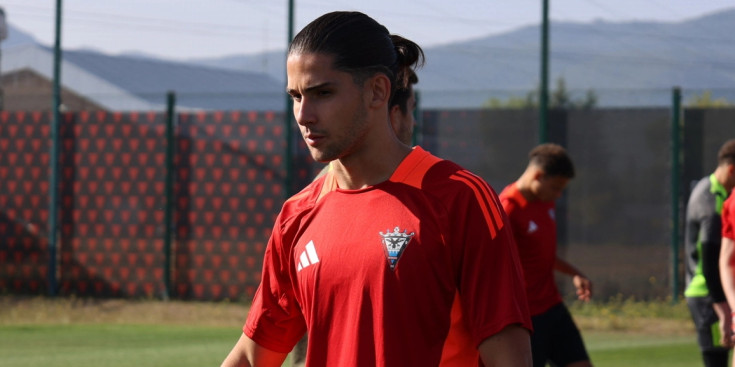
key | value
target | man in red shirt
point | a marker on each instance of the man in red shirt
(727, 249)
(529, 203)
(371, 258)
(703, 237)
(459, 350)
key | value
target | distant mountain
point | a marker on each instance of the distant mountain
(141, 82)
(625, 63)
(272, 63)
(17, 37)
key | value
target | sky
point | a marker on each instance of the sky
(188, 29)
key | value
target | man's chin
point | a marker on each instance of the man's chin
(320, 157)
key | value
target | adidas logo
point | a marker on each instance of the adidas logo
(532, 226)
(308, 256)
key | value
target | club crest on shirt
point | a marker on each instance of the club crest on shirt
(394, 244)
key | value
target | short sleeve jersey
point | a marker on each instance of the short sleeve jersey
(728, 218)
(373, 273)
(534, 228)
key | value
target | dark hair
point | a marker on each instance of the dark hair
(552, 159)
(401, 95)
(726, 155)
(360, 46)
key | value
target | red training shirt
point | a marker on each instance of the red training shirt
(373, 273)
(728, 218)
(534, 228)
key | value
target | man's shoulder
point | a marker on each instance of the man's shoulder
(423, 170)
(302, 201)
(703, 184)
(701, 196)
(729, 204)
(509, 191)
(442, 179)
(446, 175)
(511, 197)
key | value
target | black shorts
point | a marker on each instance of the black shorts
(556, 338)
(707, 323)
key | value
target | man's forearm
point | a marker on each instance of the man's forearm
(511, 347)
(247, 353)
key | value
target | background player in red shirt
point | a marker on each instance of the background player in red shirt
(372, 257)
(529, 203)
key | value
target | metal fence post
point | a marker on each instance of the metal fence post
(169, 226)
(53, 220)
(288, 115)
(543, 105)
(675, 166)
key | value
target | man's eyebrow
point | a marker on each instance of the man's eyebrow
(309, 89)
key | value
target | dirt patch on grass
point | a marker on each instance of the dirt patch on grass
(661, 317)
(16, 310)
(42, 310)
(637, 325)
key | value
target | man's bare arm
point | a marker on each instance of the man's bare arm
(727, 277)
(511, 347)
(247, 353)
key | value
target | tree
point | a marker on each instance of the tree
(529, 101)
(705, 100)
(558, 98)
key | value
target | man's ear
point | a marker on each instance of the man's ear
(379, 88)
(538, 174)
(730, 171)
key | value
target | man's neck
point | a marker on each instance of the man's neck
(524, 185)
(367, 168)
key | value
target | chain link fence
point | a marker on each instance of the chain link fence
(230, 173)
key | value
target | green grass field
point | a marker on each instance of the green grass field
(78, 333)
(114, 345)
(159, 345)
(623, 349)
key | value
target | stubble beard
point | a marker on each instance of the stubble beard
(348, 142)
